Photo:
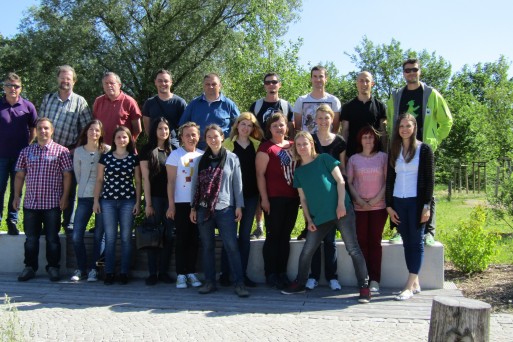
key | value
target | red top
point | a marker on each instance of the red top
(279, 174)
(120, 112)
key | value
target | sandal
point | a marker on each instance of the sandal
(405, 295)
(417, 290)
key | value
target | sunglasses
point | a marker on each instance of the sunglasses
(9, 85)
(408, 70)
(271, 82)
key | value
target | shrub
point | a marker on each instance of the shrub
(471, 247)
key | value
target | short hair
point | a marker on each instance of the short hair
(319, 68)
(325, 108)
(269, 74)
(307, 136)
(257, 131)
(188, 124)
(212, 75)
(364, 131)
(11, 76)
(163, 71)
(44, 119)
(110, 73)
(65, 67)
(276, 116)
(411, 61)
(365, 72)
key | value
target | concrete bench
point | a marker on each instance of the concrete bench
(393, 268)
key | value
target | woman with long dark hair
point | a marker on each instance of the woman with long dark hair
(154, 176)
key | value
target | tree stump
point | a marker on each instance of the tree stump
(459, 319)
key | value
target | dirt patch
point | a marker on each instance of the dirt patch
(493, 286)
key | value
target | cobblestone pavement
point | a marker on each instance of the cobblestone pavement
(94, 312)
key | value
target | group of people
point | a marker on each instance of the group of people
(207, 166)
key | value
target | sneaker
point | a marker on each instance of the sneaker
(302, 235)
(365, 295)
(241, 291)
(248, 282)
(27, 273)
(53, 273)
(257, 233)
(417, 290)
(109, 279)
(311, 284)
(429, 240)
(374, 286)
(11, 228)
(165, 278)
(123, 279)
(284, 280)
(396, 239)
(209, 287)
(273, 280)
(405, 295)
(77, 275)
(181, 281)
(224, 280)
(335, 285)
(151, 280)
(92, 276)
(193, 280)
(294, 288)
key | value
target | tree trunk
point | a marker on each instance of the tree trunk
(459, 319)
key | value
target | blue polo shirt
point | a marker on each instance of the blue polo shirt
(15, 124)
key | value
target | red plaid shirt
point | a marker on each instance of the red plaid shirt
(44, 167)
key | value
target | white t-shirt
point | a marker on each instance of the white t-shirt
(306, 105)
(185, 163)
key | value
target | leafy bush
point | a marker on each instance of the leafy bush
(471, 247)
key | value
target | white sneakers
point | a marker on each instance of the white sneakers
(182, 281)
(92, 276)
(311, 284)
(374, 286)
(335, 285)
(193, 280)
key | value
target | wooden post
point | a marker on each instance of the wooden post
(473, 178)
(449, 191)
(459, 319)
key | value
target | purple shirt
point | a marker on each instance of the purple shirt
(44, 167)
(15, 124)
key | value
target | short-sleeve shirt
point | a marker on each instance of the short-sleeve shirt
(279, 174)
(44, 167)
(319, 187)
(337, 146)
(16, 121)
(411, 102)
(158, 182)
(359, 115)
(120, 112)
(268, 109)
(185, 163)
(369, 176)
(306, 105)
(171, 110)
(118, 176)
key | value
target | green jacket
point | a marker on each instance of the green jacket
(436, 114)
(228, 143)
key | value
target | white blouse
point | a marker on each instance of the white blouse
(406, 175)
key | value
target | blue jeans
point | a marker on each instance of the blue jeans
(116, 212)
(33, 222)
(330, 258)
(245, 225)
(224, 220)
(7, 170)
(82, 215)
(347, 227)
(412, 232)
(160, 205)
(67, 214)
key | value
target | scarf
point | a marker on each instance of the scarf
(209, 180)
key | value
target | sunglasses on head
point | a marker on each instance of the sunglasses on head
(408, 70)
(271, 82)
(9, 85)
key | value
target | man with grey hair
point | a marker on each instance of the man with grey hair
(115, 108)
(69, 114)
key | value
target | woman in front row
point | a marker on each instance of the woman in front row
(409, 190)
(325, 205)
(217, 202)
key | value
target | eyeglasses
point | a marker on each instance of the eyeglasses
(271, 82)
(408, 70)
(10, 85)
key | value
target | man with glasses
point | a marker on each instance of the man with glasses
(69, 114)
(17, 129)
(265, 107)
(434, 120)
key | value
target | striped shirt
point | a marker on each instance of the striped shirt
(44, 167)
(69, 117)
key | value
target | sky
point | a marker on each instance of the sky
(461, 31)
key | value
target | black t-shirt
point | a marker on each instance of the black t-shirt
(158, 182)
(337, 146)
(171, 110)
(268, 109)
(411, 102)
(247, 167)
(359, 115)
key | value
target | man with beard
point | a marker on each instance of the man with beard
(69, 114)
(165, 104)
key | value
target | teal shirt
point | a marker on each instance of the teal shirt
(320, 188)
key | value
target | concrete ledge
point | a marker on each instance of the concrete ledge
(393, 268)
